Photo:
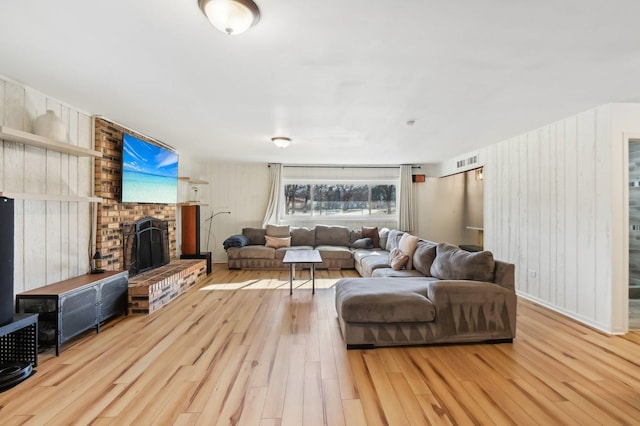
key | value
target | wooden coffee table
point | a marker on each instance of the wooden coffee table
(291, 257)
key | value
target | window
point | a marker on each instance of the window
(340, 200)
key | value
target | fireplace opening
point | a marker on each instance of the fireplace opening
(146, 245)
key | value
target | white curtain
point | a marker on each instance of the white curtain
(275, 186)
(406, 210)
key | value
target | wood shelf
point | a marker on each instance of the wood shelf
(26, 138)
(49, 197)
(193, 180)
(192, 203)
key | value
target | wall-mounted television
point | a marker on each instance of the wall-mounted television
(149, 172)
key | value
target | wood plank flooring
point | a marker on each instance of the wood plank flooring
(239, 350)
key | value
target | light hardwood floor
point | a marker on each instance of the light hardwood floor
(239, 350)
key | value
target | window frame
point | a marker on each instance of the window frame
(284, 217)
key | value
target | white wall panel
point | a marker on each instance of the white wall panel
(585, 155)
(553, 206)
(561, 259)
(51, 238)
(241, 188)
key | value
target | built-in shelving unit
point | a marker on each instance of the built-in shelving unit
(192, 181)
(26, 138)
(48, 197)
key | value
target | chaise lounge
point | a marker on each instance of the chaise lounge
(447, 295)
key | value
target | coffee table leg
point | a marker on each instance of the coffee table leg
(290, 279)
(313, 278)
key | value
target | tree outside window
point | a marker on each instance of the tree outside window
(344, 200)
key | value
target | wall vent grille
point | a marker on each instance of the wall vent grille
(467, 162)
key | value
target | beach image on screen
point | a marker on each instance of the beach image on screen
(149, 172)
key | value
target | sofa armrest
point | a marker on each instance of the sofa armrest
(473, 306)
(505, 275)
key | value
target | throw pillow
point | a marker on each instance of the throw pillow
(278, 231)
(276, 242)
(452, 263)
(423, 257)
(371, 232)
(362, 243)
(407, 245)
(397, 259)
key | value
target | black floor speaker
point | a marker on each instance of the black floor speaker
(6, 260)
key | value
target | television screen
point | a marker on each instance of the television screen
(149, 172)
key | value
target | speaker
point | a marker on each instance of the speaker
(190, 230)
(6, 260)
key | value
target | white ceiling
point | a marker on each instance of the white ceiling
(340, 77)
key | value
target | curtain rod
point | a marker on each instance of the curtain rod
(325, 166)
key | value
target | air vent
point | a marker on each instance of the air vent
(467, 161)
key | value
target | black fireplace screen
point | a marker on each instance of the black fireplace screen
(146, 245)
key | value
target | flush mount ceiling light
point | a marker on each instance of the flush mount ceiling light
(281, 141)
(231, 16)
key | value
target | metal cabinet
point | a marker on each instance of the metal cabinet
(70, 307)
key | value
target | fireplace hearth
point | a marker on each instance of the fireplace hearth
(146, 245)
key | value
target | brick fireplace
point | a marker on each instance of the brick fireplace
(111, 214)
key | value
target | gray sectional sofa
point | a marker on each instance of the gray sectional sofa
(448, 296)
(411, 291)
(333, 242)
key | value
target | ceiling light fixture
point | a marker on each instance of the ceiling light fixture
(281, 141)
(231, 16)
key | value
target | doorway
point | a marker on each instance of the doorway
(634, 234)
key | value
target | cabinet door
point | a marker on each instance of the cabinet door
(79, 312)
(113, 297)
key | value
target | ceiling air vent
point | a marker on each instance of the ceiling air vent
(467, 162)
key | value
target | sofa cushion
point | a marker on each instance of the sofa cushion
(407, 245)
(383, 236)
(276, 242)
(393, 239)
(334, 252)
(371, 232)
(383, 300)
(279, 231)
(369, 263)
(255, 235)
(423, 257)
(452, 263)
(362, 243)
(256, 252)
(403, 273)
(397, 259)
(359, 254)
(332, 236)
(303, 237)
(354, 235)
